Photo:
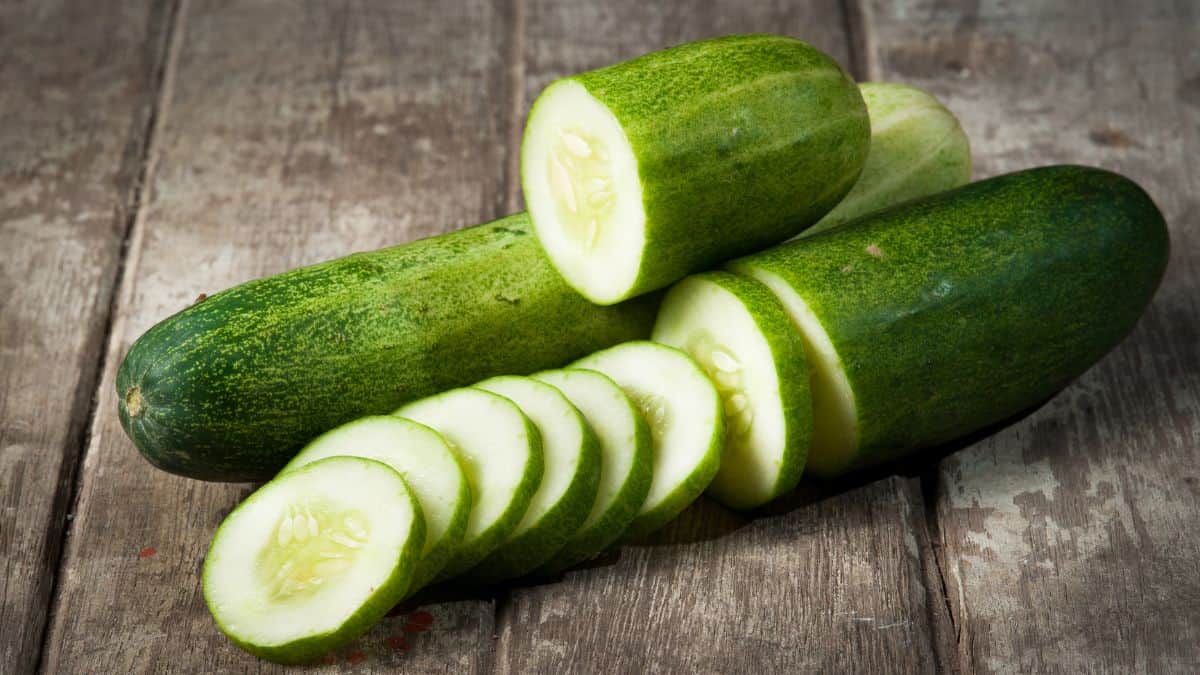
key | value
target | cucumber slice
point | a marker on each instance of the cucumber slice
(423, 458)
(642, 172)
(501, 455)
(742, 336)
(572, 474)
(313, 558)
(683, 409)
(625, 462)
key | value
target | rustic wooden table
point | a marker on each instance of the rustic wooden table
(151, 151)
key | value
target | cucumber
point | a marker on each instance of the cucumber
(422, 457)
(742, 336)
(313, 558)
(938, 317)
(641, 172)
(500, 453)
(918, 148)
(683, 410)
(625, 467)
(231, 388)
(569, 481)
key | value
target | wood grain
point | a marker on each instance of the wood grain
(1069, 538)
(76, 92)
(289, 134)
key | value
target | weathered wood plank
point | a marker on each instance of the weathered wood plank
(76, 91)
(291, 133)
(1068, 540)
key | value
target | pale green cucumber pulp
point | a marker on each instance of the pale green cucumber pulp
(313, 558)
(500, 453)
(569, 481)
(742, 336)
(430, 468)
(626, 454)
(683, 410)
(642, 172)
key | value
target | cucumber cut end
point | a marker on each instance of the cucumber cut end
(835, 434)
(581, 183)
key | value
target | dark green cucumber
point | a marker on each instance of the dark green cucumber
(932, 319)
(229, 389)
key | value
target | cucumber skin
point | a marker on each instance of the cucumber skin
(741, 142)
(1022, 281)
(231, 388)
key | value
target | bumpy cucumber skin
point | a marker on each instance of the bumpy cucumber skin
(390, 592)
(959, 310)
(432, 562)
(524, 552)
(918, 148)
(741, 142)
(230, 388)
(589, 542)
(791, 369)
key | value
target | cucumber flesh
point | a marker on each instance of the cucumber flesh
(683, 410)
(422, 457)
(313, 558)
(743, 338)
(625, 466)
(500, 453)
(569, 481)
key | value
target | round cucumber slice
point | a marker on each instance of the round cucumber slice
(625, 462)
(738, 331)
(683, 410)
(423, 458)
(501, 455)
(313, 558)
(569, 482)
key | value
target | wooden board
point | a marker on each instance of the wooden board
(1069, 537)
(289, 134)
(76, 88)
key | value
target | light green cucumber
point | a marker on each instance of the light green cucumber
(918, 148)
(641, 172)
(687, 427)
(738, 331)
(935, 318)
(501, 454)
(423, 458)
(569, 481)
(625, 462)
(313, 559)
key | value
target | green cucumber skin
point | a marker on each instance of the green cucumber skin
(741, 142)
(918, 148)
(959, 310)
(232, 387)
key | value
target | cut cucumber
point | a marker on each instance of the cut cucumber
(569, 481)
(918, 148)
(738, 331)
(930, 320)
(501, 455)
(683, 410)
(625, 462)
(313, 558)
(423, 458)
(641, 172)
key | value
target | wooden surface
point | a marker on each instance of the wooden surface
(154, 151)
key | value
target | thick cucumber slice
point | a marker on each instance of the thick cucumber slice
(423, 458)
(626, 455)
(742, 336)
(687, 427)
(501, 454)
(569, 482)
(641, 172)
(313, 558)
